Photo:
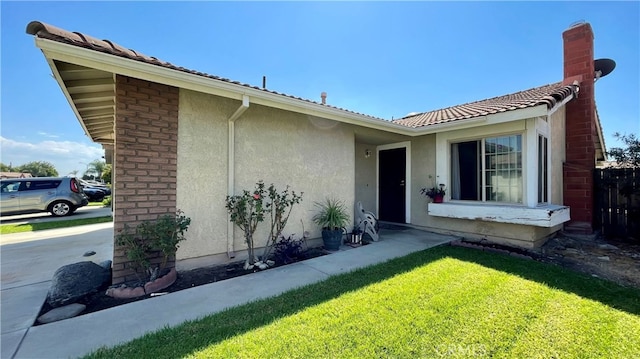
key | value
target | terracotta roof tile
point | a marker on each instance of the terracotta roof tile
(51, 32)
(549, 95)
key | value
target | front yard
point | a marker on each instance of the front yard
(442, 302)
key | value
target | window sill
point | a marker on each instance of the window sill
(541, 216)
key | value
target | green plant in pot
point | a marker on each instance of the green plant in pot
(332, 217)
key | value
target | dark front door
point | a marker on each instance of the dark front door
(392, 185)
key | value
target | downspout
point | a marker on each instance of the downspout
(231, 168)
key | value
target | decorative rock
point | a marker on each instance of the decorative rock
(263, 266)
(74, 281)
(607, 246)
(124, 292)
(604, 258)
(270, 263)
(88, 253)
(65, 312)
(105, 264)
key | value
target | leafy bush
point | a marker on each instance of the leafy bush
(107, 201)
(249, 209)
(162, 234)
(287, 250)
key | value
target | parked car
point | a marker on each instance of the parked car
(97, 185)
(93, 194)
(59, 195)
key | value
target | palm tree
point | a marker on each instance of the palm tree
(97, 167)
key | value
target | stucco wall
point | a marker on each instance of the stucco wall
(423, 163)
(558, 154)
(202, 171)
(366, 176)
(311, 155)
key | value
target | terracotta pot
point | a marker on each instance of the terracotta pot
(438, 198)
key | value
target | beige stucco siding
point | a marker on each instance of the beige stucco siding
(366, 176)
(311, 155)
(558, 154)
(202, 171)
(423, 165)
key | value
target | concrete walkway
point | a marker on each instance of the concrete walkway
(79, 336)
(27, 263)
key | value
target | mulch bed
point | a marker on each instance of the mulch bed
(186, 279)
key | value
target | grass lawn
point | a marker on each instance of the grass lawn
(96, 204)
(442, 302)
(28, 227)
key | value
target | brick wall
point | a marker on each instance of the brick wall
(145, 160)
(580, 128)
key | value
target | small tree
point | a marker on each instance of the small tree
(249, 209)
(628, 156)
(246, 211)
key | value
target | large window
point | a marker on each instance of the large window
(488, 169)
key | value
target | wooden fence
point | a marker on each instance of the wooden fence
(617, 203)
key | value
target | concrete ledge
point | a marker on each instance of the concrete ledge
(541, 216)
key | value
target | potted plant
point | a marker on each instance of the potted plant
(435, 192)
(332, 217)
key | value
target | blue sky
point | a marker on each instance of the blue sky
(381, 59)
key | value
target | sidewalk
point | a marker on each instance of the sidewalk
(80, 335)
(28, 261)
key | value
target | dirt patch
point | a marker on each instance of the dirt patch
(614, 260)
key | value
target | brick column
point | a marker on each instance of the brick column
(145, 160)
(580, 128)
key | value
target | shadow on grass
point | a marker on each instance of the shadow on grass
(194, 336)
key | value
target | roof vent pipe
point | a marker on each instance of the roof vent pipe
(264, 82)
(324, 98)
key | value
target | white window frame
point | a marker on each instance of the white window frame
(530, 212)
(483, 167)
(443, 157)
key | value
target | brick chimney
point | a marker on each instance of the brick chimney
(580, 128)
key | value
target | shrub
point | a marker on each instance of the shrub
(162, 234)
(287, 250)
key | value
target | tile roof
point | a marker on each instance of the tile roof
(549, 95)
(50, 32)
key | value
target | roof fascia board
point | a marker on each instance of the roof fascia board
(519, 114)
(128, 67)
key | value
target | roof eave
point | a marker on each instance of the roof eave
(54, 50)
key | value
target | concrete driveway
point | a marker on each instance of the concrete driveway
(28, 261)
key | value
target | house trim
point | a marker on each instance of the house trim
(407, 146)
